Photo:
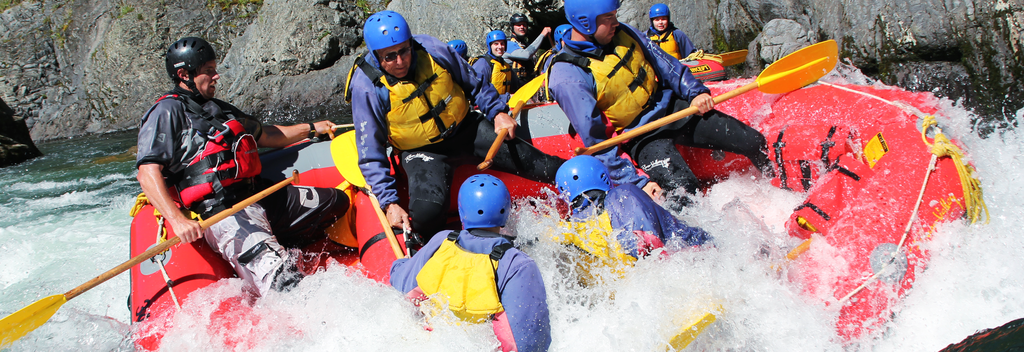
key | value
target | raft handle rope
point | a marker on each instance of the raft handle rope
(161, 235)
(941, 146)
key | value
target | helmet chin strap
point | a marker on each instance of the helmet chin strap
(191, 85)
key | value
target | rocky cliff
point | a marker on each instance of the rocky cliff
(15, 144)
(88, 66)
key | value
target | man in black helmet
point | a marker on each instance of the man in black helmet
(518, 51)
(198, 153)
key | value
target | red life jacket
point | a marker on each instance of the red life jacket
(228, 157)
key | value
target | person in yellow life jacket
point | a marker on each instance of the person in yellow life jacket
(616, 224)
(492, 68)
(609, 79)
(412, 93)
(666, 35)
(479, 274)
(198, 153)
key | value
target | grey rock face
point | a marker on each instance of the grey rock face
(782, 37)
(289, 63)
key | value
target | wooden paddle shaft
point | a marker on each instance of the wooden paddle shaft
(388, 232)
(656, 124)
(163, 246)
(498, 140)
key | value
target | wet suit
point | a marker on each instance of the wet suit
(252, 240)
(575, 90)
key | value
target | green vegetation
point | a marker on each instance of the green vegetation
(229, 4)
(323, 35)
(125, 9)
(6, 4)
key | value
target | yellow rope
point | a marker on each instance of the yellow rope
(943, 147)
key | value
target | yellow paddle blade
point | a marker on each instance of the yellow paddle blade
(802, 67)
(527, 91)
(19, 323)
(733, 57)
(346, 158)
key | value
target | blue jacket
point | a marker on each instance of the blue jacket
(370, 106)
(575, 91)
(631, 210)
(520, 286)
(686, 47)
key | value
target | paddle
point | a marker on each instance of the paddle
(498, 140)
(733, 57)
(789, 73)
(346, 159)
(19, 323)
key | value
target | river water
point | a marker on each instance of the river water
(64, 219)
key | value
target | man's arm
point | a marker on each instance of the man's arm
(152, 181)
(526, 54)
(525, 301)
(283, 136)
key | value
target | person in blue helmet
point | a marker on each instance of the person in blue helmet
(544, 61)
(412, 93)
(616, 224)
(460, 47)
(602, 94)
(491, 67)
(506, 284)
(666, 35)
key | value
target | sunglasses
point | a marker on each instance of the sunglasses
(392, 56)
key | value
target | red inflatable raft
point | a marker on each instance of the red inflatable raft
(859, 155)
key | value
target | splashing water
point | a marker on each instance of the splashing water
(65, 219)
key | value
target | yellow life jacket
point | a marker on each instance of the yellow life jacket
(667, 42)
(624, 79)
(424, 110)
(597, 252)
(465, 280)
(501, 74)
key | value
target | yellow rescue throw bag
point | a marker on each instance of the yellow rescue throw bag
(465, 279)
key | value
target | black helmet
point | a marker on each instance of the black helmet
(188, 53)
(516, 18)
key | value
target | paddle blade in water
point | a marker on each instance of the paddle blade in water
(527, 90)
(733, 57)
(346, 158)
(19, 323)
(802, 67)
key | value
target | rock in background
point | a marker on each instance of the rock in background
(92, 66)
(15, 144)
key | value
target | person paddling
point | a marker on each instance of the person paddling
(411, 93)
(479, 273)
(620, 224)
(608, 79)
(666, 35)
(199, 153)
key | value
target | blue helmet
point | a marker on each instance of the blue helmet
(385, 29)
(494, 35)
(460, 47)
(580, 174)
(484, 202)
(658, 10)
(582, 13)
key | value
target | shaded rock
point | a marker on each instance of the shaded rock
(15, 144)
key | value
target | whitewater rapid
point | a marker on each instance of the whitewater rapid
(64, 219)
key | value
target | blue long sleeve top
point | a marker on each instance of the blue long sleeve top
(631, 210)
(575, 90)
(519, 282)
(370, 106)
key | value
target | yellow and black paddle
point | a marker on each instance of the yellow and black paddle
(346, 159)
(789, 73)
(19, 323)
